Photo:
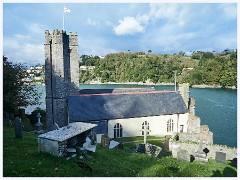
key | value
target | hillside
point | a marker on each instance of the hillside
(200, 68)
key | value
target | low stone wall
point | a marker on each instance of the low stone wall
(231, 153)
(204, 135)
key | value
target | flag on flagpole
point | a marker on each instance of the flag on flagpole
(66, 10)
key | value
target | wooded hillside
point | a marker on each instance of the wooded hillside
(208, 68)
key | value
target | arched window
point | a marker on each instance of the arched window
(117, 130)
(170, 125)
(145, 123)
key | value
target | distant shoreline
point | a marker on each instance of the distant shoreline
(161, 84)
(202, 86)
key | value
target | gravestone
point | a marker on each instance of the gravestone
(183, 155)
(18, 128)
(141, 148)
(39, 125)
(120, 146)
(158, 152)
(105, 140)
(175, 149)
(220, 157)
(165, 144)
(133, 146)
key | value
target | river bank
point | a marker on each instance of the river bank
(161, 84)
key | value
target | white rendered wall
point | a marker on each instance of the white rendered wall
(157, 125)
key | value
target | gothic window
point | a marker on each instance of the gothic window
(117, 130)
(170, 125)
(145, 123)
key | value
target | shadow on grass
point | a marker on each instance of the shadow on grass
(227, 172)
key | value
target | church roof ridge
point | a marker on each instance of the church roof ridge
(121, 93)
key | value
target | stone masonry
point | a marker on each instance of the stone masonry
(61, 74)
(197, 134)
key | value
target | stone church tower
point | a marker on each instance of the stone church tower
(61, 74)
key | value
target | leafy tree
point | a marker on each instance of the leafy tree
(16, 92)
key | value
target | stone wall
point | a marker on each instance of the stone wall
(231, 153)
(204, 135)
(184, 91)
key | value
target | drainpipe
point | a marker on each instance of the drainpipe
(177, 122)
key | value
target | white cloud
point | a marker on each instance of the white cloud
(20, 51)
(35, 28)
(128, 26)
(230, 10)
(172, 13)
(91, 22)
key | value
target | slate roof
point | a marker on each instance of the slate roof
(107, 106)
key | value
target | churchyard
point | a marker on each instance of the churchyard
(22, 159)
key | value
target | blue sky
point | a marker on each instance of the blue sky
(104, 28)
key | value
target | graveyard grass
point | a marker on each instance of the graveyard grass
(21, 158)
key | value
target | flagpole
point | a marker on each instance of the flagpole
(63, 19)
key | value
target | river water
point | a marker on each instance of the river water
(217, 108)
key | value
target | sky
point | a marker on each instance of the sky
(103, 28)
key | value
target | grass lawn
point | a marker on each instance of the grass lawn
(21, 158)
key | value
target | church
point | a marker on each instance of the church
(122, 112)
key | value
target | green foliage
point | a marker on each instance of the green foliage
(21, 159)
(16, 92)
(207, 68)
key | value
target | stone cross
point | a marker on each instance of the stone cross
(146, 130)
(39, 122)
(39, 125)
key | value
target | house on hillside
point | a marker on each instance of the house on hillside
(126, 112)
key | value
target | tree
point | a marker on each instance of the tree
(16, 92)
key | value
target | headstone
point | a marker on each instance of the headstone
(99, 137)
(165, 144)
(18, 128)
(105, 140)
(183, 155)
(158, 152)
(220, 157)
(200, 156)
(175, 149)
(141, 148)
(133, 146)
(120, 146)
(113, 144)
